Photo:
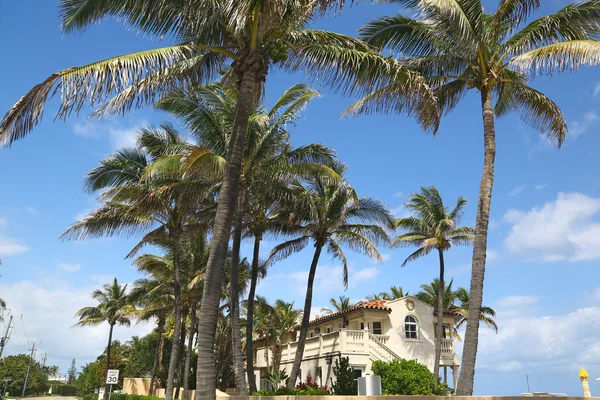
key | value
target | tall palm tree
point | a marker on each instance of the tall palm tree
(113, 308)
(338, 306)
(433, 227)
(459, 46)
(249, 36)
(331, 215)
(164, 205)
(268, 164)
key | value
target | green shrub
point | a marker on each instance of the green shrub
(119, 396)
(308, 388)
(407, 378)
(345, 383)
(90, 396)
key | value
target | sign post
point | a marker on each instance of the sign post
(112, 378)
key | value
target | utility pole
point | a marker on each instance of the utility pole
(29, 367)
(528, 388)
(4, 338)
(44, 359)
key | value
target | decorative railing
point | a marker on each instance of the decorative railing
(447, 348)
(379, 351)
(344, 341)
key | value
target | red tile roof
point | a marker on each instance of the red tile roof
(377, 305)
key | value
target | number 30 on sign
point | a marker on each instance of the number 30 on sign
(112, 376)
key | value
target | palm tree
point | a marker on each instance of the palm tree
(338, 306)
(268, 165)
(458, 46)
(487, 313)
(156, 303)
(456, 301)
(433, 227)
(395, 292)
(330, 214)
(113, 308)
(249, 36)
(163, 204)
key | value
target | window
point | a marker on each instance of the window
(319, 376)
(362, 326)
(411, 328)
(328, 330)
(377, 328)
(356, 373)
(294, 336)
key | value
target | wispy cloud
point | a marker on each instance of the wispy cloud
(580, 126)
(69, 267)
(597, 89)
(541, 186)
(118, 135)
(517, 190)
(31, 211)
(8, 245)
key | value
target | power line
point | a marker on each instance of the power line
(6, 336)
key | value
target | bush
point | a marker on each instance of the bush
(90, 396)
(407, 378)
(308, 388)
(345, 383)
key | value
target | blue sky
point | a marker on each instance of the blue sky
(544, 239)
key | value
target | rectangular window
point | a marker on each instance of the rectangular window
(411, 331)
(377, 328)
(294, 336)
(356, 373)
(319, 375)
(328, 330)
(362, 326)
(312, 334)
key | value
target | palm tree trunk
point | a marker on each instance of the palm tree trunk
(159, 329)
(174, 359)
(107, 386)
(305, 317)
(236, 335)
(180, 359)
(469, 356)
(188, 354)
(225, 371)
(440, 321)
(207, 324)
(250, 315)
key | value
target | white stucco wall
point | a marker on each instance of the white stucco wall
(421, 349)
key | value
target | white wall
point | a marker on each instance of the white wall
(421, 349)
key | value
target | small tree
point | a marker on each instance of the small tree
(406, 378)
(345, 382)
(72, 373)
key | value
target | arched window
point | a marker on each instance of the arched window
(411, 327)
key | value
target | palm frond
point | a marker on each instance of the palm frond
(558, 57)
(88, 84)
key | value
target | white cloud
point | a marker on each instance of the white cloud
(492, 255)
(597, 89)
(579, 127)
(541, 186)
(517, 301)
(517, 190)
(527, 342)
(328, 279)
(564, 229)
(398, 194)
(69, 267)
(31, 211)
(8, 245)
(102, 279)
(386, 257)
(48, 310)
(458, 270)
(119, 136)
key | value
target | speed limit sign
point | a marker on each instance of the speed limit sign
(112, 376)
